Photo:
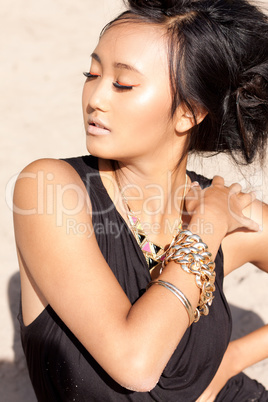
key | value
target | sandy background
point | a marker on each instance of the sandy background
(44, 48)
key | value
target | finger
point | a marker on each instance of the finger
(195, 184)
(205, 398)
(194, 190)
(249, 224)
(246, 199)
(235, 188)
(218, 181)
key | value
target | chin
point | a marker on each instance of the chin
(112, 151)
(100, 151)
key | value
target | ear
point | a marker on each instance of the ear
(185, 120)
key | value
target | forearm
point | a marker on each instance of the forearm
(163, 313)
(157, 322)
(248, 350)
(210, 229)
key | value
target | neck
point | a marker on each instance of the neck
(158, 184)
(154, 194)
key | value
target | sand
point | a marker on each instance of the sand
(45, 47)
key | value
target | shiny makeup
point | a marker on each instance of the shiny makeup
(116, 84)
(126, 96)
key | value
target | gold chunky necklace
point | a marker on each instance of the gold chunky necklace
(153, 253)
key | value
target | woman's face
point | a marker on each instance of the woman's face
(127, 100)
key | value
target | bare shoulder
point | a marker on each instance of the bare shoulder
(48, 194)
(45, 184)
(50, 170)
(244, 246)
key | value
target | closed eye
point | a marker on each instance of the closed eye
(118, 85)
(89, 75)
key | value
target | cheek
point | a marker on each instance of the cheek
(84, 102)
(86, 96)
(148, 111)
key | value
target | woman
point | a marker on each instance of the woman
(121, 299)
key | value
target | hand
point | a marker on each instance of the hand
(218, 382)
(225, 372)
(221, 205)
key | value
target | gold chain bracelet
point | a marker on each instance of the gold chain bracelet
(188, 250)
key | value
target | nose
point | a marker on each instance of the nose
(97, 94)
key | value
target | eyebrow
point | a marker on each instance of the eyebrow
(121, 66)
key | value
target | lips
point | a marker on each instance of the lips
(97, 127)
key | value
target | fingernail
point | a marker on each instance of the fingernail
(260, 228)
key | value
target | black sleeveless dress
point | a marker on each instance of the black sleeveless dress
(60, 367)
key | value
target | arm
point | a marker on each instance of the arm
(138, 339)
(243, 246)
(240, 354)
(240, 247)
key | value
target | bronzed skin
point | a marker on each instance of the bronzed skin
(56, 265)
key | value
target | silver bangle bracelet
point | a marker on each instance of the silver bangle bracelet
(193, 315)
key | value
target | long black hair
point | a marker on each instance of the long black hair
(218, 60)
